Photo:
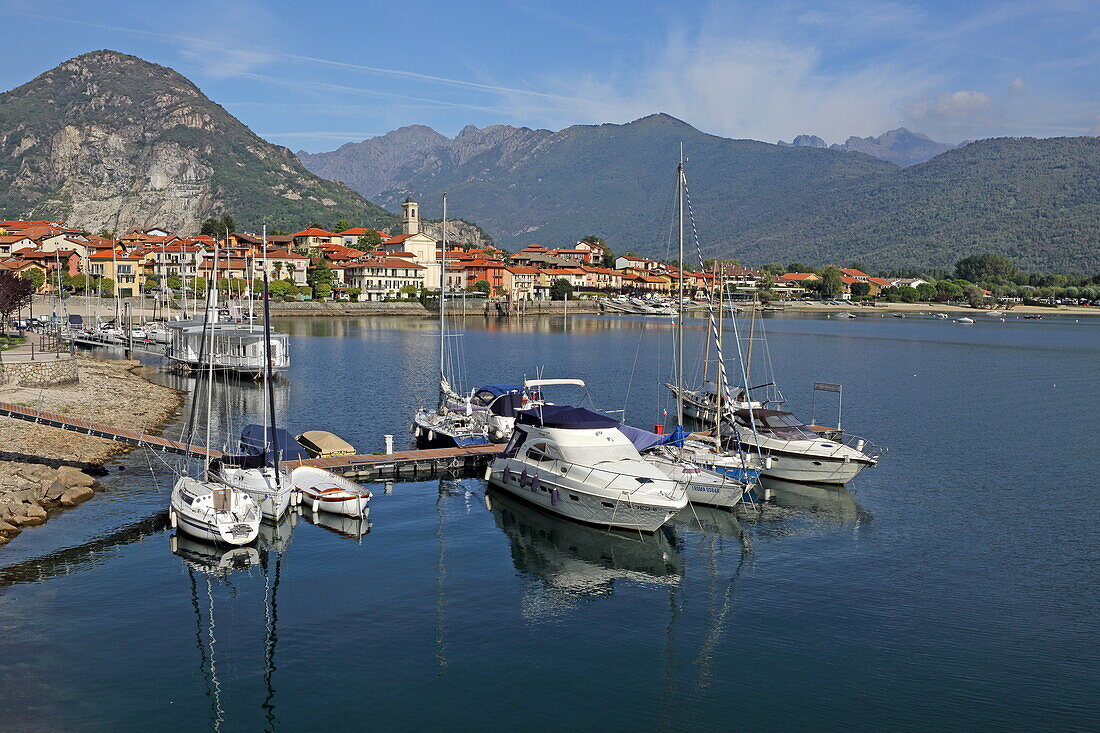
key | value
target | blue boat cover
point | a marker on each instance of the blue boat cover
(644, 440)
(252, 443)
(564, 416)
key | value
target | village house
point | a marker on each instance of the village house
(309, 241)
(415, 242)
(380, 278)
(521, 283)
(287, 265)
(125, 269)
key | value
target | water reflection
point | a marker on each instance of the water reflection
(830, 502)
(574, 561)
(349, 528)
(214, 570)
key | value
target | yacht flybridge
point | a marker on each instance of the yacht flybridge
(578, 464)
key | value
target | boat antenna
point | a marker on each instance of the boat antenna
(269, 384)
(680, 301)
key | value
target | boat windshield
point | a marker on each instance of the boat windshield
(779, 424)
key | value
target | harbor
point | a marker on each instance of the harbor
(478, 578)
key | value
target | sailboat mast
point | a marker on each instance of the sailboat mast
(267, 414)
(680, 309)
(442, 307)
(269, 387)
(720, 372)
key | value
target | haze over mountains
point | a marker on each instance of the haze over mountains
(109, 141)
(1034, 200)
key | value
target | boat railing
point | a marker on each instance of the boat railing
(593, 474)
(866, 448)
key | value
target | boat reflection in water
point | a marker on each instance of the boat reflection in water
(210, 566)
(826, 501)
(577, 561)
(350, 528)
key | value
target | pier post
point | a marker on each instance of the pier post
(389, 444)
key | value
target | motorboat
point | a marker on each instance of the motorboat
(578, 464)
(844, 314)
(795, 452)
(964, 319)
(497, 405)
(326, 491)
(257, 470)
(940, 315)
(212, 511)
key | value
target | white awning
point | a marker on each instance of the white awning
(552, 382)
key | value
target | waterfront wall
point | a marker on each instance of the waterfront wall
(48, 373)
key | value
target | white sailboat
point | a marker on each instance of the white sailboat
(210, 510)
(452, 423)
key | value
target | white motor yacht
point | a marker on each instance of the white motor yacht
(214, 512)
(577, 463)
(795, 452)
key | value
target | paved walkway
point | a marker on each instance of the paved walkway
(32, 351)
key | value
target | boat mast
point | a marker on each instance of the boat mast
(442, 307)
(267, 415)
(720, 372)
(269, 386)
(680, 309)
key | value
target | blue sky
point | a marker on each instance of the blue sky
(316, 74)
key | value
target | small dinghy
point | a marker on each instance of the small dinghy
(326, 491)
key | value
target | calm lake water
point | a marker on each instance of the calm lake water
(956, 586)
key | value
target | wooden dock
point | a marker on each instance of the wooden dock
(98, 430)
(413, 465)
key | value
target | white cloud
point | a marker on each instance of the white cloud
(1017, 86)
(760, 88)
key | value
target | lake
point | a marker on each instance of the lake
(954, 586)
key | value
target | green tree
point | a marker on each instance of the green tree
(861, 289)
(369, 241)
(36, 277)
(927, 292)
(174, 283)
(482, 286)
(342, 226)
(198, 284)
(322, 291)
(280, 288)
(831, 284)
(216, 227)
(774, 268)
(151, 284)
(106, 287)
(974, 296)
(985, 268)
(79, 282)
(353, 293)
(560, 289)
(106, 234)
(321, 275)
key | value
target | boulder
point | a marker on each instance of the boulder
(71, 476)
(7, 529)
(28, 514)
(55, 490)
(76, 495)
(35, 473)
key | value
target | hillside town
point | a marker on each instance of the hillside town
(370, 265)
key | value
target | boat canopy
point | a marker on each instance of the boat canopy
(252, 443)
(75, 319)
(501, 399)
(643, 440)
(553, 382)
(565, 416)
(496, 390)
(321, 443)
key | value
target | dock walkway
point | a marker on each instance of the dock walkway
(414, 465)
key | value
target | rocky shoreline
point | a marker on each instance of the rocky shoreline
(44, 470)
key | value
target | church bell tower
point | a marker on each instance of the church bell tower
(412, 216)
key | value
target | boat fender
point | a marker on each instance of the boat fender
(431, 435)
(768, 462)
(488, 472)
(173, 543)
(316, 505)
(172, 518)
(506, 476)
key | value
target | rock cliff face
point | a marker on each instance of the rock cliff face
(109, 141)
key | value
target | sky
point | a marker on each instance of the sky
(314, 75)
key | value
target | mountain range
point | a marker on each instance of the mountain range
(1035, 200)
(109, 141)
(901, 146)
